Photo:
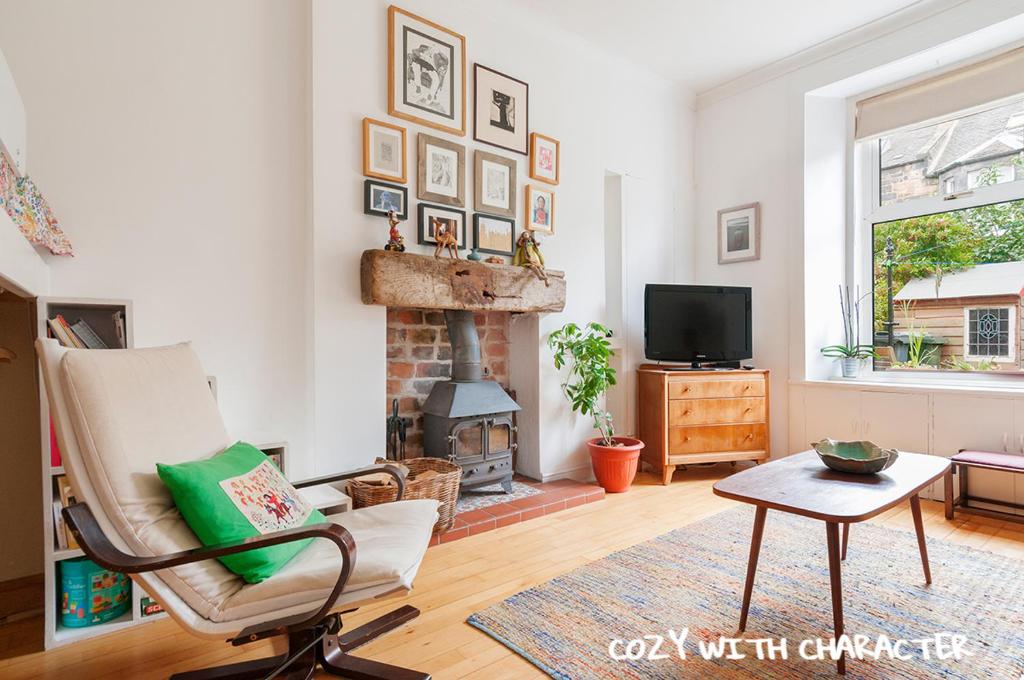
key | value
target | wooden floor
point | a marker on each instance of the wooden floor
(461, 577)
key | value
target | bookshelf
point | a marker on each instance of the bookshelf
(98, 314)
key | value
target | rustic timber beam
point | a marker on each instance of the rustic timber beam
(425, 282)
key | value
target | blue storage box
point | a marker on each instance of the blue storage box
(90, 594)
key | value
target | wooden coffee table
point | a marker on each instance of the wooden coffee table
(802, 485)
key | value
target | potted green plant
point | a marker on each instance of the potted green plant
(586, 351)
(851, 352)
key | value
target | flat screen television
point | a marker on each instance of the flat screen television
(697, 324)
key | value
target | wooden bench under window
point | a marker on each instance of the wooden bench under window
(982, 460)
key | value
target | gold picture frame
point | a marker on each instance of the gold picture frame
(373, 169)
(426, 72)
(542, 222)
(539, 172)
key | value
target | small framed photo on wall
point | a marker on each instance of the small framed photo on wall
(501, 107)
(540, 209)
(426, 72)
(739, 233)
(494, 184)
(496, 235)
(545, 158)
(441, 171)
(435, 218)
(380, 198)
(384, 154)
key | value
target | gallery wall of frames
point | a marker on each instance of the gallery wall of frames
(428, 84)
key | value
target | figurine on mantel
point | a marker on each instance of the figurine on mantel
(528, 255)
(396, 242)
(445, 238)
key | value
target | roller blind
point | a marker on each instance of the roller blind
(944, 95)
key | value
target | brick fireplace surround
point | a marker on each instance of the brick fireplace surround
(419, 355)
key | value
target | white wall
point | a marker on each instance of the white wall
(172, 142)
(205, 160)
(607, 114)
(750, 147)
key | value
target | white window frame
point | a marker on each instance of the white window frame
(1011, 358)
(865, 188)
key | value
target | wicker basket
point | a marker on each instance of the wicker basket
(443, 487)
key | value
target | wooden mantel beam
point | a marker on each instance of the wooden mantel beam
(425, 282)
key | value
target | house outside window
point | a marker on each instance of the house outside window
(942, 213)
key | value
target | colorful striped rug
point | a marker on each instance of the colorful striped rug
(692, 579)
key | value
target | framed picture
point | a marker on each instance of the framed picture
(545, 158)
(540, 209)
(739, 233)
(426, 72)
(435, 217)
(501, 107)
(495, 235)
(494, 184)
(384, 151)
(380, 197)
(441, 171)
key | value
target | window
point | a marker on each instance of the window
(989, 332)
(943, 240)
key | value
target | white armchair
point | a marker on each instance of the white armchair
(119, 412)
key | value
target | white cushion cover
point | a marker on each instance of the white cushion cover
(390, 542)
(132, 409)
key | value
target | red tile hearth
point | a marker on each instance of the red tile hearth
(553, 496)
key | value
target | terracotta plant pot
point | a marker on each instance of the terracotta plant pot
(615, 466)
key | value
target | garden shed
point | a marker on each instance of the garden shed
(977, 311)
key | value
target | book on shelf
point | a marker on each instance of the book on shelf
(122, 337)
(67, 497)
(55, 457)
(87, 335)
(58, 330)
(60, 530)
(149, 607)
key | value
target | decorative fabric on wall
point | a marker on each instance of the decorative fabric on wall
(27, 208)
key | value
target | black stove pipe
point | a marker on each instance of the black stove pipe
(465, 345)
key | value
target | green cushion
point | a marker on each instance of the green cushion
(237, 494)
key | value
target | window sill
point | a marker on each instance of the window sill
(993, 384)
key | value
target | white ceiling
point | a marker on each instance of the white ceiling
(704, 43)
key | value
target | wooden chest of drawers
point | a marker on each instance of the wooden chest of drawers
(701, 416)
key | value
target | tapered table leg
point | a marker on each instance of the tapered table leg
(948, 491)
(836, 577)
(915, 509)
(755, 550)
(846, 539)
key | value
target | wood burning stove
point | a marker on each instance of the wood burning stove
(467, 419)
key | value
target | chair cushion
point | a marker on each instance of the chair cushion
(131, 409)
(1007, 460)
(240, 494)
(390, 539)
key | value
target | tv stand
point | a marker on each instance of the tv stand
(686, 416)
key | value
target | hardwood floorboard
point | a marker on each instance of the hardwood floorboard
(459, 578)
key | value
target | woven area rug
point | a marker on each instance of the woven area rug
(486, 496)
(692, 578)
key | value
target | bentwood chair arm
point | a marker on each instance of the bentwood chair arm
(392, 470)
(100, 550)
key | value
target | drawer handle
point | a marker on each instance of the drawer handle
(686, 439)
(686, 389)
(748, 410)
(746, 387)
(750, 436)
(686, 412)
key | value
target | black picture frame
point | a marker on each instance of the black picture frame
(422, 233)
(522, 136)
(476, 233)
(368, 208)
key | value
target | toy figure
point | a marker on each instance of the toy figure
(445, 238)
(528, 255)
(397, 241)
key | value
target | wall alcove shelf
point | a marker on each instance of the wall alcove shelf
(425, 282)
